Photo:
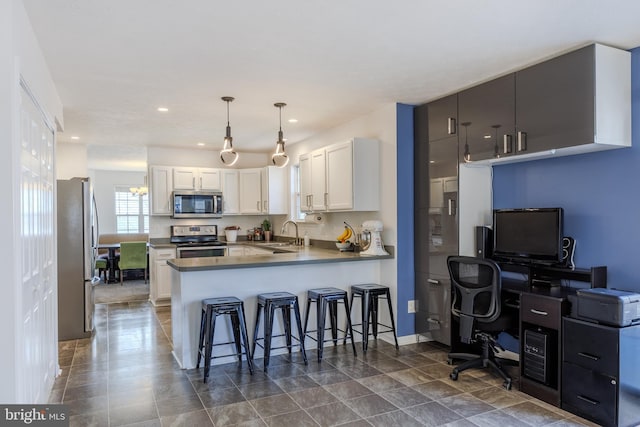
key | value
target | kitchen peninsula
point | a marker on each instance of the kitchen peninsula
(291, 268)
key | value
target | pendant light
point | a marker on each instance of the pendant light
(467, 153)
(140, 191)
(228, 155)
(279, 158)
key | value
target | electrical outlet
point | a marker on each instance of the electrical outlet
(411, 306)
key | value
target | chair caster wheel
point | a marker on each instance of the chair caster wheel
(453, 376)
(507, 385)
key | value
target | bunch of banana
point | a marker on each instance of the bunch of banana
(345, 236)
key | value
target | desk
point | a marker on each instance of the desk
(539, 310)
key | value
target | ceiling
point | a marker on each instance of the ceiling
(115, 62)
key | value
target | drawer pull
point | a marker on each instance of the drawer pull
(586, 399)
(589, 356)
(541, 313)
(433, 281)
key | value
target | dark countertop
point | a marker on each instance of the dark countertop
(294, 255)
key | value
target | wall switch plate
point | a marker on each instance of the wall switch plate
(411, 306)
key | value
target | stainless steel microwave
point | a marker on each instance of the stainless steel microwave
(196, 204)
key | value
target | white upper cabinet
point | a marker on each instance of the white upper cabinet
(275, 192)
(201, 179)
(244, 191)
(251, 191)
(339, 160)
(161, 185)
(341, 177)
(318, 180)
(313, 184)
(210, 179)
(230, 191)
(305, 182)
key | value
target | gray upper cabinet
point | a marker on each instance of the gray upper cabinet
(442, 118)
(579, 100)
(575, 103)
(487, 120)
(555, 102)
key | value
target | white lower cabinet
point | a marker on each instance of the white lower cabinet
(235, 251)
(160, 278)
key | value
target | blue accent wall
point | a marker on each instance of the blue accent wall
(600, 194)
(404, 246)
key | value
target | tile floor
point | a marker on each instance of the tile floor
(125, 375)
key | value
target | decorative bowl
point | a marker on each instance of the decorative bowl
(343, 246)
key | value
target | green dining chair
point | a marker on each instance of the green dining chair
(101, 266)
(133, 256)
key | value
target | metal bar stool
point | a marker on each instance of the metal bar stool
(370, 293)
(269, 302)
(328, 298)
(211, 309)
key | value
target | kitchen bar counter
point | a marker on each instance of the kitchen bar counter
(194, 279)
(284, 255)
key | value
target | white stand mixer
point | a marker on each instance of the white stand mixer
(375, 246)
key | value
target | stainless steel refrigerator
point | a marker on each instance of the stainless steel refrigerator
(77, 241)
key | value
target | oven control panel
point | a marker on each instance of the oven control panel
(194, 230)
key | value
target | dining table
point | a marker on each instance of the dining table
(112, 257)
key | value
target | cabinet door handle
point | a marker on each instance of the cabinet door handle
(507, 142)
(193, 182)
(433, 321)
(451, 126)
(201, 183)
(311, 200)
(326, 197)
(452, 207)
(258, 205)
(541, 313)
(522, 141)
(433, 281)
(586, 399)
(589, 356)
(265, 206)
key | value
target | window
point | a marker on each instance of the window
(132, 211)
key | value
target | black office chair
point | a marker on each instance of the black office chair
(476, 284)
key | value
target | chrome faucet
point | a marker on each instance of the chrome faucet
(296, 242)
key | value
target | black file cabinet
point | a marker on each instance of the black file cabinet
(600, 375)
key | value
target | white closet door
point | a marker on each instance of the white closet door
(37, 347)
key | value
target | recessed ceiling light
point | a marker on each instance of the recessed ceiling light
(293, 120)
(487, 136)
(163, 109)
(200, 144)
(75, 137)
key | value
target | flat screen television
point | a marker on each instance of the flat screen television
(528, 235)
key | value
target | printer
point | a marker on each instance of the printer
(609, 306)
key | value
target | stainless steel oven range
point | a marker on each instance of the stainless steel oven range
(194, 241)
